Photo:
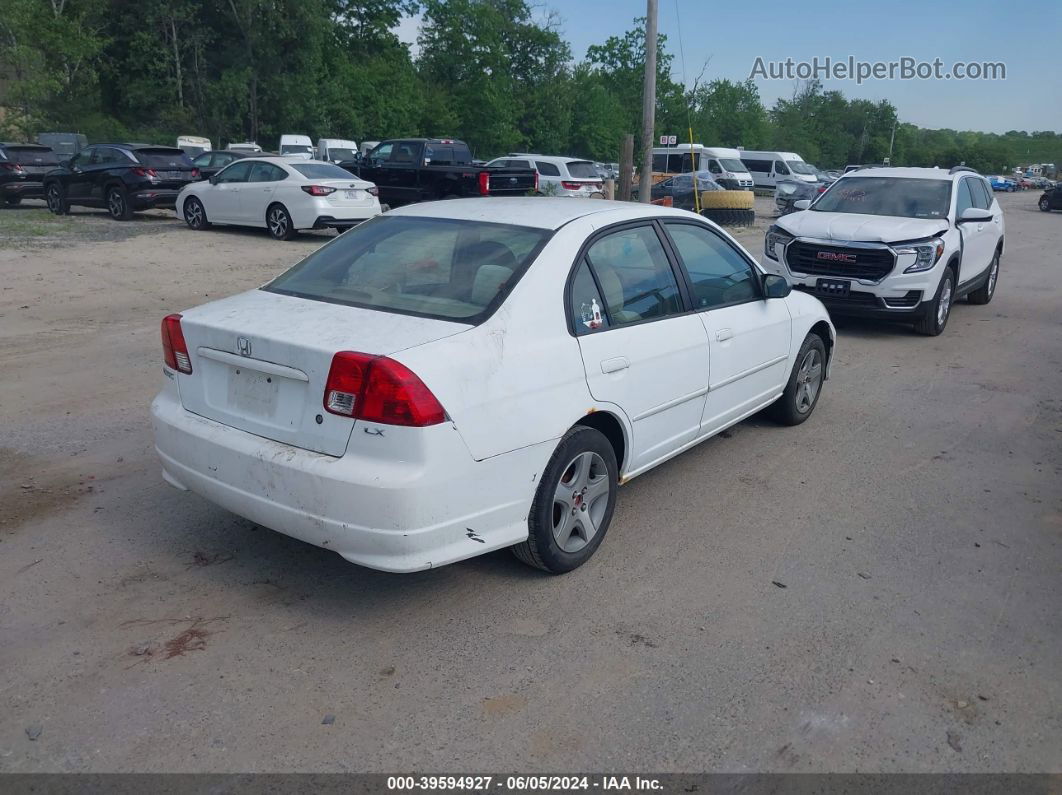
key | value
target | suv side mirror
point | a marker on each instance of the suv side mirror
(974, 215)
(803, 204)
(775, 286)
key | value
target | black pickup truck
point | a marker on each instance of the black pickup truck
(410, 170)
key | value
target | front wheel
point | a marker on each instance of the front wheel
(939, 309)
(573, 503)
(802, 392)
(195, 214)
(57, 203)
(118, 204)
(984, 293)
(279, 222)
(1045, 204)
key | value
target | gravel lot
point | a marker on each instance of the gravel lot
(875, 590)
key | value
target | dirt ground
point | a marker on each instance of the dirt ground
(875, 590)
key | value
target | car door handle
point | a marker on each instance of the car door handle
(615, 365)
(724, 334)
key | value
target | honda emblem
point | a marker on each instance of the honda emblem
(243, 345)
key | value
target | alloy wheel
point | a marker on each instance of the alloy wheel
(278, 222)
(580, 501)
(193, 214)
(944, 305)
(809, 380)
(55, 201)
(993, 275)
(116, 203)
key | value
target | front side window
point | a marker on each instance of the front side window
(405, 154)
(380, 153)
(964, 200)
(237, 172)
(587, 306)
(780, 168)
(433, 267)
(891, 196)
(635, 276)
(719, 275)
(713, 166)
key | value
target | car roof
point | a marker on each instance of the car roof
(547, 158)
(540, 212)
(906, 173)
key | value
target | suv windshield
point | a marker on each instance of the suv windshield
(322, 171)
(799, 167)
(895, 196)
(432, 267)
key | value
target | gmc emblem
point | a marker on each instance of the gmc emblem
(835, 256)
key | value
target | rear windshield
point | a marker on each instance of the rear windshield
(164, 158)
(32, 155)
(335, 153)
(894, 196)
(582, 169)
(432, 267)
(321, 171)
(297, 148)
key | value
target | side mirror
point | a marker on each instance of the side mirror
(803, 204)
(775, 286)
(974, 215)
(213, 179)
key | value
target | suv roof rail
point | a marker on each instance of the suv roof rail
(957, 169)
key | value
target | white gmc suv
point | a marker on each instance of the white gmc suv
(893, 243)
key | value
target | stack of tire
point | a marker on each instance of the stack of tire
(728, 207)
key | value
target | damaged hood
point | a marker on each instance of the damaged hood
(852, 227)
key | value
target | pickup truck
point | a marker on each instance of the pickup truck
(407, 170)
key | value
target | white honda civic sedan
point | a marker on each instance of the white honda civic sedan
(281, 194)
(460, 376)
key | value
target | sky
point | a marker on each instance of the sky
(1024, 35)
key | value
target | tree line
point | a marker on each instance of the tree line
(496, 73)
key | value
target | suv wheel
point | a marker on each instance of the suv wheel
(939, 309)
(57, 203)
(805, 383)
(1045, 204)
(195, 214)
(118, 204)
(984, 293)
(279, 222)
(573, 504)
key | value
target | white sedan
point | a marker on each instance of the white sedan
(281, 194)
(456, 377)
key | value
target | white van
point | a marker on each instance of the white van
(768, 167)
(368, 146)
(678, 159)
(336, 150)
(297, 146)
(726, 167)
(194, 145)
(247, 146)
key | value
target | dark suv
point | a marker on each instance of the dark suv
(22, 169)
(119, 177)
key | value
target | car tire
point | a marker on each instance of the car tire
(564, 532)
(1045, 204)
(56, 199)
(12, 201)
(804, 387)
(727, 200)
(730, 217)
(278, 222)
(983, 294)
(195, 214)
(118, 204)
(1010, 188)
(937, 313)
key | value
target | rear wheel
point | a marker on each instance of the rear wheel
(1045, 204)
(573, 504)
(802, 392)
(279, 222)
(939, 309)
(12, 201)
(984, 293)
(56, 199)
(118, 204)
(195, 214)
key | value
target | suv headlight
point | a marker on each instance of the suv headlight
(775, 236)
(926, 254)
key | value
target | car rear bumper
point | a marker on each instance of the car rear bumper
(155, 197)
(387, 514)
(27, 189)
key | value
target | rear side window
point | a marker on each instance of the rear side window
(587, 306)
(164, 158)
(583, 169)
(321, 171)
(762, 166)
(635, 276)
(432, 267)
(547, 169)
(719, 275)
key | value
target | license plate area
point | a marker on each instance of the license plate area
(253, 393)
(352, 195)
(837, 288)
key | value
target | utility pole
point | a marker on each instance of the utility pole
(891, 139)
(645, 184)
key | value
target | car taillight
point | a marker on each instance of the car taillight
(318, 190)
(174, 348)
(484, 183)
(11, 166)
(140, 171)
(571, 185)
(373, 190)
(378, 389)
(536, 182)
(195, 173)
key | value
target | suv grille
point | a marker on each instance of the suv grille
(850, 263)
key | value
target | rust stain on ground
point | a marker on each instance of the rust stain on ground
(499, 706)
(192, 638)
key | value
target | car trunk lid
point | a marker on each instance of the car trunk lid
(260, 361)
